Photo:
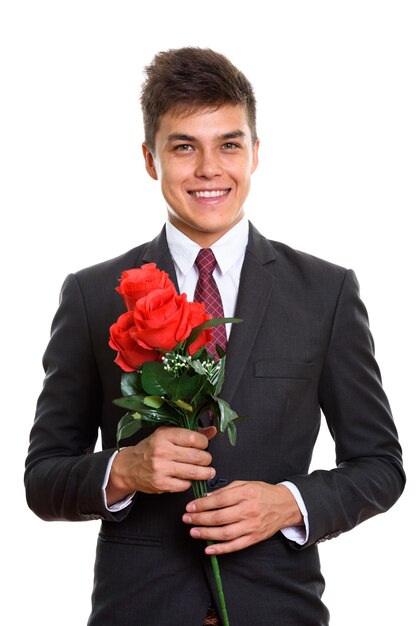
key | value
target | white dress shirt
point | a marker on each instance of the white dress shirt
(229, 251)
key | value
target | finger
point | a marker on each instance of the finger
(183, 437)
(176, 485)
(230, 532)
(208, 431)
(192, 472)
(235, 483)
(163, 485)
(226, 496)
(192, 456)
(230, 546)
(217, 517)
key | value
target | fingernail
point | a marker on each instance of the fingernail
(191, 508)
(195, 533)
(187, 519)
(212, 472)
(210, 551)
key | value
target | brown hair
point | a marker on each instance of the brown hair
(186, 79)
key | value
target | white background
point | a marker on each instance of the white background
(336, 84)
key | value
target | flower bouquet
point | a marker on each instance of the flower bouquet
(169, 376)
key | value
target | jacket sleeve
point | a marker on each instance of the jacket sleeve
(64, 475)
(368, 478)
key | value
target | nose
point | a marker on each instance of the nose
(208, 165)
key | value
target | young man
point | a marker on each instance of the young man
(304, 346)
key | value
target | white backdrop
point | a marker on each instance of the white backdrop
(336, 84)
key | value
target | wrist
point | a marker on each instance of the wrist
(117, 487)
(289, 506)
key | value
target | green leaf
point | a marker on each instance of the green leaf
(155, 379)
(185, 387)
(217, 379)
(215, 321)
(201, 391)
(198, 367)
(232, 433)
(152, 417)
(221, 352)
(227, 414)
(128, 425)
(133, 403)
(162, 414)
(154, 401)
(130, 383)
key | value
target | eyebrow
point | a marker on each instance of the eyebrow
(233, 134)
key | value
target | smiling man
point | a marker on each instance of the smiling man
(304, 347)
(204, 161)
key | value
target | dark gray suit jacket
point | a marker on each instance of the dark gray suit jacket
(304, 346)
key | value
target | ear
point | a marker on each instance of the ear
(255, 156)
(149, 162)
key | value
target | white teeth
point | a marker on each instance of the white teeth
(209, 194)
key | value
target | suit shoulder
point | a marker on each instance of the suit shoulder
(279, 256)
(305, 263)
(111, 269)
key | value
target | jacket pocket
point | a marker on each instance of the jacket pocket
(133, 540)
(280, 368)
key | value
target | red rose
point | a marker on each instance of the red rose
(130, 355)
(163, 319)
(158, 321)
(138, 282)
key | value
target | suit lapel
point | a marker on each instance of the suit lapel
(256, 284)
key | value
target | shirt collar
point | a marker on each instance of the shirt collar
(228, 249)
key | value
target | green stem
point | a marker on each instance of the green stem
(199, 489)
(217, 574)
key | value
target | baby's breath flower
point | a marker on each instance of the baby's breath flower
(176, 364)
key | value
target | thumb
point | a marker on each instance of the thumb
(208, 431)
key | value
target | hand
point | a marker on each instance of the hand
(168, 460)
(241, 514)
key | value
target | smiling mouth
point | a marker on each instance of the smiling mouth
(216, 193)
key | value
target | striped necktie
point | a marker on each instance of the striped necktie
(207, 291)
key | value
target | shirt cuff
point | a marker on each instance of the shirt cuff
(122, 504)
(298, 534)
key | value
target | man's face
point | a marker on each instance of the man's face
(204, 162)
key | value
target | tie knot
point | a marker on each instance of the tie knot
(205, 261)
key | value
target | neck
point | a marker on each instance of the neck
(204, 239)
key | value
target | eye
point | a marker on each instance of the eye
(184, 147)
(230, 146)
